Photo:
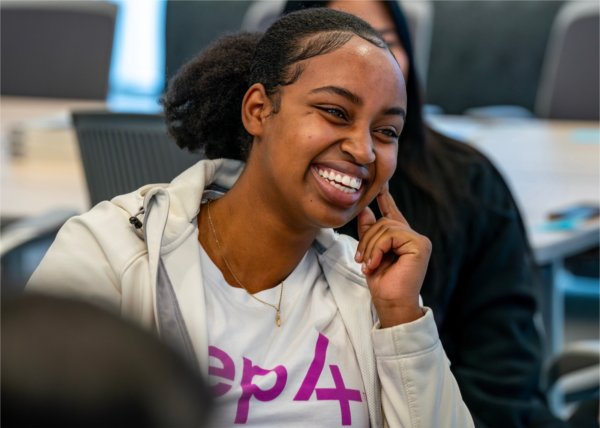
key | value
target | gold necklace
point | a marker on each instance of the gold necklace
(278, 307)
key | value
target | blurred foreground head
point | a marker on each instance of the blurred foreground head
(66, 363)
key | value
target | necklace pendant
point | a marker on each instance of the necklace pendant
(277, 319)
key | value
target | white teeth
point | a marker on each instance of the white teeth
(342, 188)
(340, 181)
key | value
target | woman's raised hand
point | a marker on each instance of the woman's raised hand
(394, 260)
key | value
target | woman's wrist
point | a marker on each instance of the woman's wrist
(390, 316)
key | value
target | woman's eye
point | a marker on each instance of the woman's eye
(336, 112)
(391, 133)
(393, 44)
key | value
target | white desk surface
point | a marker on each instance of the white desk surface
(45, 111)
(48, 175)
(44, 181)
(548, 165)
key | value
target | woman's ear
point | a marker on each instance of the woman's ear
(256, 107)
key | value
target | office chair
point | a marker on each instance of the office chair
(121, 152)
(569, 84)
(488, 53)
(573, 382)
(58, 49)
(192, 25)
(23, 244)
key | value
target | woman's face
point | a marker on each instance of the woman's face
(333, 143)
(376, 14)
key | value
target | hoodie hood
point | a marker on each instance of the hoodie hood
(179, 201)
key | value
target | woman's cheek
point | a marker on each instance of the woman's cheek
(389, 159)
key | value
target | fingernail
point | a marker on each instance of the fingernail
(369, 262)
(358, 256)
(364, 268)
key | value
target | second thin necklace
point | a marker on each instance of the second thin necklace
(276, 307)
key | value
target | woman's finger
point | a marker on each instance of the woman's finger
(388, 206)
(365, 219)
(368, 243)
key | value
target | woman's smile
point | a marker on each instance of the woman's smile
(340, 186)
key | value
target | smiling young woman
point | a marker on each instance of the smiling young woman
(327, 122)
(236, 262)
(482, 281)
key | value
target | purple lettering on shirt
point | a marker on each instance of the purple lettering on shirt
(340, 393)
(314, 371)
(249, 389)
(227, 371)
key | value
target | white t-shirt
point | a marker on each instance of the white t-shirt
(302, 374)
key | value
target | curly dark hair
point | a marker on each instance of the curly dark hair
(203, 100)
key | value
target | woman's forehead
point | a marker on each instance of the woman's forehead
(357, 64)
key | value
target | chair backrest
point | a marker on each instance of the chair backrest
(56, 49)
(192, 25)
(261, 14)
(23, 244)
(569, 83)
(487, 53)
(121, 152)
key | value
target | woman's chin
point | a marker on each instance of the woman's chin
(336, 221)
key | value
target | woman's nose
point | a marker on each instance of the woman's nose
(360, 146)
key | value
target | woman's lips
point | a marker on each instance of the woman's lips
(339, 187)
(344, 182)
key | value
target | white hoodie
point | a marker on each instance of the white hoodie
(151, 275)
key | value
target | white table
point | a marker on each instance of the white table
(40, 167)
(548, 165)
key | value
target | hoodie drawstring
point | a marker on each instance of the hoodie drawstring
(135, 220)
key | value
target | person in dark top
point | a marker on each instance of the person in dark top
(481, 281)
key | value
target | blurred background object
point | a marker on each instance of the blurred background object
(23, 244)
(66, 363)
(56, 49)
(487, 53)
(569, 86)
(122, 152)
(190, 26)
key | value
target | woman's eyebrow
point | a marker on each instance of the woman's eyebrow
(355, 99)
(350, 96)
(396, 111)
